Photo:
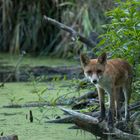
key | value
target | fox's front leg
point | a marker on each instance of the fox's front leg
(102, 103)
(111, 93)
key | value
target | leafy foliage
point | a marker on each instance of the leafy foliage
(122, 37)
(84, 17)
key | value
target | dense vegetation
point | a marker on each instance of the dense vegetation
(22, 26)
(122, 36)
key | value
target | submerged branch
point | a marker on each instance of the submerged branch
(11, 137)
(67, 119)
(38, 104)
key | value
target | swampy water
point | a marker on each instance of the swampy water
(15, 120)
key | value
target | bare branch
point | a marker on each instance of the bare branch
(84, 117)
(75, 35)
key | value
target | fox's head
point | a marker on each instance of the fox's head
(94, 68)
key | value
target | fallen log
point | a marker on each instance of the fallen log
(92, 125)
(34, 104)
(59, 102)
(10, 137)
(87, 118)
(7, 73)
(85, 122)
(26, 105)
(132, 107)
(67, 119)
(62, 102)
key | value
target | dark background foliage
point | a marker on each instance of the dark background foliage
(22, 26)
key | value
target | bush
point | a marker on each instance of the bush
(122, 37)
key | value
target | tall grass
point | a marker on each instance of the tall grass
(22, 26)
(85, 17)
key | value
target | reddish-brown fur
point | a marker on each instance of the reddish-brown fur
(112, 76)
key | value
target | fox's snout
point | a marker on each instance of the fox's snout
(93, 78)
(94, 68)
(94, 81)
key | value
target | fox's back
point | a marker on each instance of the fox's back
(120, 70)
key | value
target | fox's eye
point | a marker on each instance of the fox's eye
(99, 71)
(89, 72)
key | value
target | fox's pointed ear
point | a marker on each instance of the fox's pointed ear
(102, 58)
(84, 60)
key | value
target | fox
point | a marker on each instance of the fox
(113, 76)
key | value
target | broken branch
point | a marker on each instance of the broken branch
(75, 35)
(92, 125)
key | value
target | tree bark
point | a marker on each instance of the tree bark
(92, 125)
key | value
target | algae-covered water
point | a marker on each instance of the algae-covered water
(16, 121)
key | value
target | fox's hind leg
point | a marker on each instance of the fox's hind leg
(127, 95)
(119, 103)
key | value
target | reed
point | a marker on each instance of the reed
(22, 26)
